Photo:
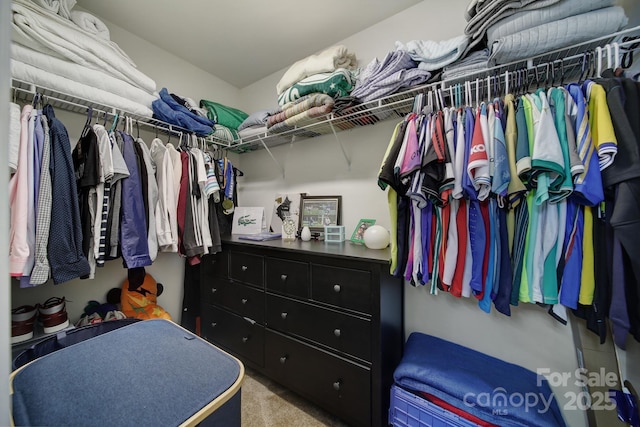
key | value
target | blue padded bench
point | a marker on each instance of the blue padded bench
(148, 373)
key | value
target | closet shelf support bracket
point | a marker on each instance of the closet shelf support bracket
(272, 156)
(344, 151)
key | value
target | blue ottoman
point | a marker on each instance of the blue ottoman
(149, 373)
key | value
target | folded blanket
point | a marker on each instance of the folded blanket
(302, 112)
(50, 34)
(60, 7)
(433, 55)
(477, 383)
(326, 61)
(223, 133)
(250, 131)
(485, 13)
(532, 18)
(335, 84)
(224, 115)
(475, 61)
(381, 78)
(81, 74)
(557, 34)
(259, 118)
(30, 74)
(91, 24)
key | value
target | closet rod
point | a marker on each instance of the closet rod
(81, 108)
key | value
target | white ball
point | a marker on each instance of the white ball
(376, 237)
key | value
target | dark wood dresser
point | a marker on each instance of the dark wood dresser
(323, 319)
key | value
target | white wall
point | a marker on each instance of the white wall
(530, 337)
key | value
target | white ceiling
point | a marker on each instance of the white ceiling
(243, 41)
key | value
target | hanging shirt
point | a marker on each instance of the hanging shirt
(604, 137)
(65, 236)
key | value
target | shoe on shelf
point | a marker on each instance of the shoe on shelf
(53, 315)
(22, 322)
(90, 319)
(114, 315)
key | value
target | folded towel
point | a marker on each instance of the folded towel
(91, 24)
(433, 55)
(59, 7)
(326, 61)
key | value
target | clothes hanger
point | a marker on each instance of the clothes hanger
(115, 122)
(137, 129)
(87, 123)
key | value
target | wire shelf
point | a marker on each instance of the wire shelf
(569, 63)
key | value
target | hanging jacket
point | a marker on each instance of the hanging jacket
(65, 235)
(133, 227)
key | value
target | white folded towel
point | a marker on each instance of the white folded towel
(91, 24)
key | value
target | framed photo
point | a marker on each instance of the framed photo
(318, 211)
(358, 233)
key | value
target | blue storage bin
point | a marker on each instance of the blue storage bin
(409, 410)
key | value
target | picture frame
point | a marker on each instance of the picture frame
(318, 211)
(358, 233)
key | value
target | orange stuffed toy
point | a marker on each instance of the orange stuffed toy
(139, 296)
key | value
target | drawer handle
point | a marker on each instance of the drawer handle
(245, 339)
(337, 385)
(213, 324)
(283, 359)
(244, 268)
(283, 315)
(244, 300)
(336, 332)
(214, 290)
(336, 288)
(283, 277)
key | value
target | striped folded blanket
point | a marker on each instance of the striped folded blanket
(302, 112)
(335, 84)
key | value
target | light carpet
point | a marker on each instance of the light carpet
(266, 403)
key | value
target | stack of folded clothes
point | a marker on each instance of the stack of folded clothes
(330, 72)
(227, 119)
(71, 52)
(473, 62)
(172, 109)
(549, 27)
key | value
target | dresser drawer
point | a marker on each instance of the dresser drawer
(241, 299)
(288, 277)
(343, 332)
(340, 386)
(342, 287)
(246, 268)
(215, 265)
(240, 336)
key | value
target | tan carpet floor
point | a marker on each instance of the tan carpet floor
(265, 403)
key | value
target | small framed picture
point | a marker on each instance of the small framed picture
(358, 233)
(318, 211)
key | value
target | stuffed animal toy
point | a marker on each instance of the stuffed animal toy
(139, 296)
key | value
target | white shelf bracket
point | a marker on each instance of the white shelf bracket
(272, 156)
(344, 152)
